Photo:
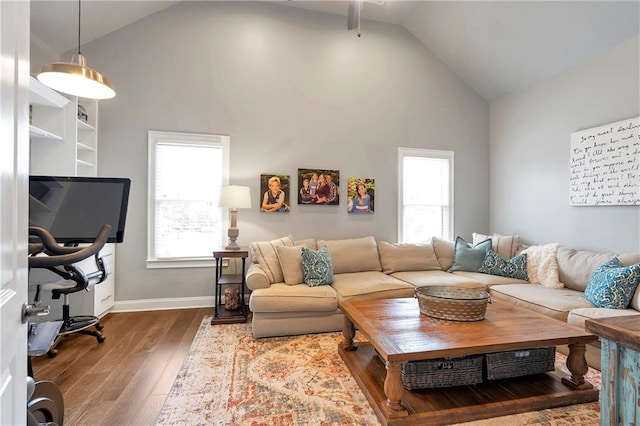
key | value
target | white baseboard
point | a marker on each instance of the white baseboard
(162, 304)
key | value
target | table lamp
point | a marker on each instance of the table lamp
(234, 197)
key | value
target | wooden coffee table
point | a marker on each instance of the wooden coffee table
(397, 333)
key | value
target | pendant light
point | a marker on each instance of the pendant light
(75, 78)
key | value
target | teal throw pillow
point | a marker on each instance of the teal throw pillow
(317, 267)
(467, 257)
(612, 285)
(516, 267)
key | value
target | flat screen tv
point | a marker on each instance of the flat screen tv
(73, 209)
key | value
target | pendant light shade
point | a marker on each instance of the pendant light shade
(75, 78)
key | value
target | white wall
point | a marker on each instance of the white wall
(530, 135)
(293, 88)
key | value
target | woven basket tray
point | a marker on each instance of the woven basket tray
(442, 372)
(453, 303)
(504, 365)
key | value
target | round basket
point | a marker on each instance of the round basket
(453, 303)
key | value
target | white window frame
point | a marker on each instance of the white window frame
(427, 153)
(155, 137)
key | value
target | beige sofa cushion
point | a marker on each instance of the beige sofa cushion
(578, 316)
(555, 303)
(309, 243)
(265, 255)
(353, 255)
(407, 257)
(575, 267)
(290, 259)
(445, 252)
(369, 285)
(281, 297)
(504, 245)
(489, 279)
(419, 279)
(256, 277)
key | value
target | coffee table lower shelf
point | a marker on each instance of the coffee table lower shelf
(462, 403)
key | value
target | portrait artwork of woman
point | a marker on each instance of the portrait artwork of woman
(361, 193)
(361, 201)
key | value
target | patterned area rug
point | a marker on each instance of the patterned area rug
(230, 378)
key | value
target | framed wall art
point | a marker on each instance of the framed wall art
(318, 187)
(361, 194)
(604, 168)
(274, 193)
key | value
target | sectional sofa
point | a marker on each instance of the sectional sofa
(282, 304)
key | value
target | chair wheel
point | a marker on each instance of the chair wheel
(52, 353)
(101, 339)
(99, 327)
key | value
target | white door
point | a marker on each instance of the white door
(14, 172)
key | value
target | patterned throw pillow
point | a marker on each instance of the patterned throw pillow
(612, 285)
(468, 258)
(317, 267)
(494, 264)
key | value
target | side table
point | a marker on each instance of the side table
(222, 315)
(620, 355)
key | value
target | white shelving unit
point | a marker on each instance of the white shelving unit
(63, 145)
(87, 139)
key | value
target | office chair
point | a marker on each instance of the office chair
(62, 260)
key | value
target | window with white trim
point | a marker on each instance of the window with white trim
(425, 194)
(185, 223)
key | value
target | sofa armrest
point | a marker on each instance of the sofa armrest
(256, 277)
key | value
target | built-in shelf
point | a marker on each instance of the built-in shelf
(38, 133)
(54, 117)
(85, 126)
(84, 147)
(39, 94)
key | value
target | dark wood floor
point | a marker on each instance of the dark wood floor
(125, 380)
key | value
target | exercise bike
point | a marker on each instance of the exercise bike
(45, 405)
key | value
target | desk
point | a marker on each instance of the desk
(620, 351)
(221, 315)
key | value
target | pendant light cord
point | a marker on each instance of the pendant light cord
(79, 8)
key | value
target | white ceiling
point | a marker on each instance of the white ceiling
(496, 47)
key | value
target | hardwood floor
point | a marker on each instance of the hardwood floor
(125, 380)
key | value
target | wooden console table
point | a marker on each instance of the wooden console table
(620, 349)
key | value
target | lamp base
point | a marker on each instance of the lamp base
(233, 234)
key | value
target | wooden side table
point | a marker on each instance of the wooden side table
(222, 315)
(620, 351)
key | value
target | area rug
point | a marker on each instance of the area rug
(231, 378)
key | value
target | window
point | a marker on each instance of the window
(425, 194)
(184, 220)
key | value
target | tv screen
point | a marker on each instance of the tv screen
(73, 209)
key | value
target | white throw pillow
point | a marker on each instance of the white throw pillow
(542, 265)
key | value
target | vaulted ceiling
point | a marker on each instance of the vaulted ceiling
(497, 47)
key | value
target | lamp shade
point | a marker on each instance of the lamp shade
(76, 79)
(235, 197)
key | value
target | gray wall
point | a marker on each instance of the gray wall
(530, 134)
(293, 88)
